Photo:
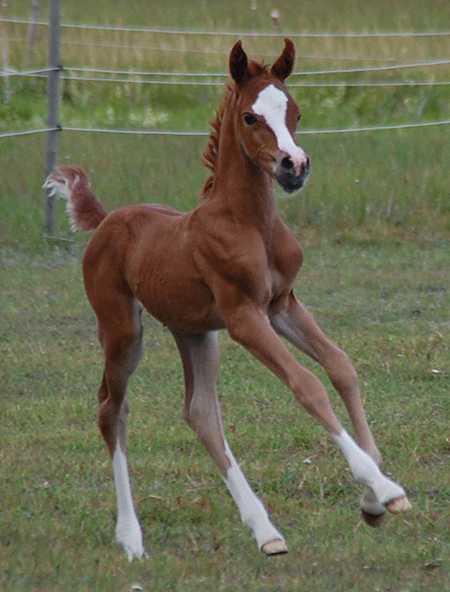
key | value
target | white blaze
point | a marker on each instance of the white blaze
(272, 105)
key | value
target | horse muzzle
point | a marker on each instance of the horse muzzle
(292, 176)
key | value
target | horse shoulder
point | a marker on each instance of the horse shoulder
(286, 253)
(233, 259)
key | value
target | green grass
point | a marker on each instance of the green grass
(381, 184)
(387, 305)
(374, 221)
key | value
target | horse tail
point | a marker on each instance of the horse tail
(83, 208)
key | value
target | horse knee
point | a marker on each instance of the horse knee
(312, 395)
(308, 391)
(342, 373)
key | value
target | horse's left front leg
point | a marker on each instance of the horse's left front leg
(298, 326)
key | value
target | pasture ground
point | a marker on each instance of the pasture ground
(374, 220)
(386, 304)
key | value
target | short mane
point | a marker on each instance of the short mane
(211, 150)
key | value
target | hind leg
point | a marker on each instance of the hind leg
(121, 339)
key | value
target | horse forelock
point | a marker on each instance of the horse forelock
(211, 150)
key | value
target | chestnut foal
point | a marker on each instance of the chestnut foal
(230, 263)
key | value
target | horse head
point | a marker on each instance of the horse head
(267, 115)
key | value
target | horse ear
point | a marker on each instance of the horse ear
(238, 63)
(285, 63)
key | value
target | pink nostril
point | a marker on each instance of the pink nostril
(302, 166)
(299, 166)
(296, 165)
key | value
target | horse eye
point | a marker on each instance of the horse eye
(250, 119)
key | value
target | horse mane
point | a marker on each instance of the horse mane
(211, 151)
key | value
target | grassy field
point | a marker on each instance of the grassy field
(383, 183)
(386, 305)
(374, 221)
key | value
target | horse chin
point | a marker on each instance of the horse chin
(291, 183)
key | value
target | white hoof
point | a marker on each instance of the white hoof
(275, 547)
(399, 505)
(392, 498)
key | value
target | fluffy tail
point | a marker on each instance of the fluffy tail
(83, 208)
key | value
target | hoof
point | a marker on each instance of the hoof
(134, 553)
(373, 520)
(399, 505)
(275, 547)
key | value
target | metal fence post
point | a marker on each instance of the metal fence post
(5, 51)
(32, 31)
(53, 105)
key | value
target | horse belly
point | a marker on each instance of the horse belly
(182, 308)
(172, 292)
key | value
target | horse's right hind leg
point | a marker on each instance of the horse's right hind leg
(122, 344)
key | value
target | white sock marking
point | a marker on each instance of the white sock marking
(366, 471)
(253, 513)
(272, 105)
(370, 504)
(128, 530)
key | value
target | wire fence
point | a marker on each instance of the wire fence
(187, 133)
(201, 78)
(157, 30)
(54, 72)
(316, 56)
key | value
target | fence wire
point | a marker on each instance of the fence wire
(11, 72)
(298, 132)
(211, 78)
(334, 84)
(373, 128)
(208, 51)
(416, 64)
(28, 132)
(297, 34)
(153, 132)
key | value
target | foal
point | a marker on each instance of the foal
(230, 263)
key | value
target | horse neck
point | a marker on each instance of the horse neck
(239, 185)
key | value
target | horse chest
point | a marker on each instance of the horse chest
(285, 260)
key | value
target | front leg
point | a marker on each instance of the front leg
(250, 326)
(298, 326)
